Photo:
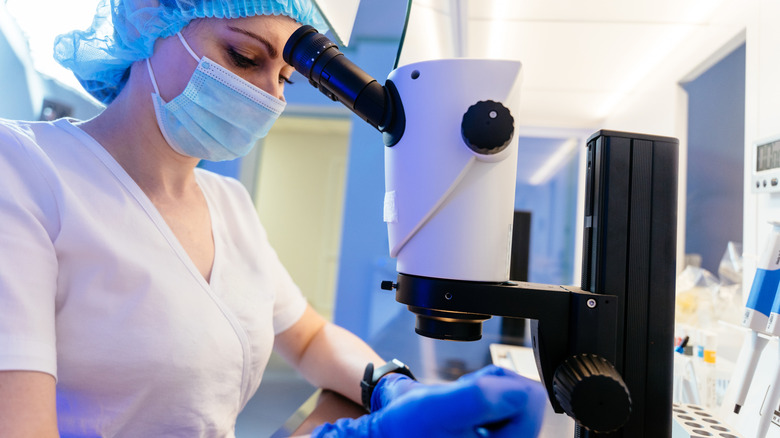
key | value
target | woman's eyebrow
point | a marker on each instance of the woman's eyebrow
(272, 52)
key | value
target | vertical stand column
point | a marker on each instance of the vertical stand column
(630, 251)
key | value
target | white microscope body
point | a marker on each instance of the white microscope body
(448, 207)
(450, 155)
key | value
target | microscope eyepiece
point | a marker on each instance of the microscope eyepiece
(319, 59)
(305, 47)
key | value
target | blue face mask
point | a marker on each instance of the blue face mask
(219, 116)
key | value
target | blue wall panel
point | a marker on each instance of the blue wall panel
(364, 247)
(716, 135)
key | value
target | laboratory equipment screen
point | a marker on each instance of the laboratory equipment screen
(768, 156)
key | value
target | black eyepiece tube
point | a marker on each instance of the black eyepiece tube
(320, 60)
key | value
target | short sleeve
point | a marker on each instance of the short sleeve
(28, 262)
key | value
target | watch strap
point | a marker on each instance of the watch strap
(372, 375)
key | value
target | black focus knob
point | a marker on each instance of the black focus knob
(591, 391)
(487, 127)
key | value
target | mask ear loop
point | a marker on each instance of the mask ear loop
(151, 76)
(149, 64)
(187, 46)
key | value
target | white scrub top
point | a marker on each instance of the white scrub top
(96, 290)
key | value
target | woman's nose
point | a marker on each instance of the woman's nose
(274, 87)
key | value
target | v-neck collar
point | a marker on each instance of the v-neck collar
(149, 208)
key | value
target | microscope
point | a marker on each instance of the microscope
(603, 350)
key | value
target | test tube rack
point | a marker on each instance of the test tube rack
(693, 421)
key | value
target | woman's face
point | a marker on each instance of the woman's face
(250, 47)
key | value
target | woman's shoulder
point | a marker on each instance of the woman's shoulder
(24, 128)
(47, 145)
(19, 144)
(27, 175)
(23, 136)
(15, 132)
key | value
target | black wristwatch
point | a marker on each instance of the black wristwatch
(371, 376)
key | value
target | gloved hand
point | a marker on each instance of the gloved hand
(490, 402)
(389, 388)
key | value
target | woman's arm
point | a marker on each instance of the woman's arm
(28, 406)
(328, 356)
(30, 214)
(489, 399)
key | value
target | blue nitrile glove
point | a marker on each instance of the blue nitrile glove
(389, 388)
(490, 402)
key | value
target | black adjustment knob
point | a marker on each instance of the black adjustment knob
(591, 391)
(487, 127)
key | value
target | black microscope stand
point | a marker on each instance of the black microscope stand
(612, 338)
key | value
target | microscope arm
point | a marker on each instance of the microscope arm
(573, 332)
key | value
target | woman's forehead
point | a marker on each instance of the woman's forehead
(274, 28)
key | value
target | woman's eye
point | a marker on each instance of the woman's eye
(240, 60)
(284, 80)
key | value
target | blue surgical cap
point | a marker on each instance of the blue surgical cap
(124, 31)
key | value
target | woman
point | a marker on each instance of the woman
(140, 296)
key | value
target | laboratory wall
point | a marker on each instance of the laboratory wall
(299, 197)
(23, 90)
(15, 101)
(659, 104)
(762, 120)
(554, 218)
(716, 132)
